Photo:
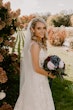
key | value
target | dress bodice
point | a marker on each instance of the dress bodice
(42, 55)
(35, 92)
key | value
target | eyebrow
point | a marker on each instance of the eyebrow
(40, 27)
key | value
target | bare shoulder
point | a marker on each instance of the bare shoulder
(35, 46)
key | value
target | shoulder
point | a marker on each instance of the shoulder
(34, 46)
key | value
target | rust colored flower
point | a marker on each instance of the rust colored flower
(12, 31)
(1, 3)
(7, 5)
(8, 21)
(11, 14)
(14, 15)
(14, 57)
(4, 51)
(56, 36)
(1, 58)
(11, 44)
(3, 76)
(1, 39)
(18, 12)
(21, 26)
(2, 25)
(6, 106)
(6, 43)
(17, 24)
(16, 67)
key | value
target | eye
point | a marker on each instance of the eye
(44, 28)
(38, 28)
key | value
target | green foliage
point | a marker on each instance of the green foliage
(62, 94)
(62, 20)
(3, 13)
(11, 88)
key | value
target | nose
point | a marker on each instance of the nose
(42, 30)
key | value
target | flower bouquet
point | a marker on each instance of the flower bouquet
(55, 65)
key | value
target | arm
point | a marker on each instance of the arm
(35, 49)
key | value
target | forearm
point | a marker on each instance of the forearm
(41, 71)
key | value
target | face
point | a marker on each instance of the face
(39, 30)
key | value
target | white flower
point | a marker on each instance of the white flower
(61, 64)
(2, 95)
(50, 65)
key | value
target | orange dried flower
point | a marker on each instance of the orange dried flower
(56, 36)
(7, 43)
(3, 76)
(14, 57)
(6, 106)
(1, 3)
(1, 39)
(12, 31)
(2, 25)
(8, 21)
(18, 12)
(7, 5)
(16, 24)
(11, 44)
(1, 58)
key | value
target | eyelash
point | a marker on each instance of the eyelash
(40, 28)
(44, 27)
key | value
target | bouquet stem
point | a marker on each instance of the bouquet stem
(50, 82)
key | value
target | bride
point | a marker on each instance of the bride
(35, 93)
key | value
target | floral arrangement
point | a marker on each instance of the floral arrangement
(6, 106)
(26, 19)
(55, 65)
(9, 62)
(56, 35)
(8, 26)
(3, 76)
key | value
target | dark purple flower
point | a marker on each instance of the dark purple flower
(55, 65)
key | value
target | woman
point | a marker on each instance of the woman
(35, 93)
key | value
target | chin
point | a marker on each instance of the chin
(42, 36)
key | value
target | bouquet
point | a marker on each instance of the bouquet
(55, 65)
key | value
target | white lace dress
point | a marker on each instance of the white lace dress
(36, 93)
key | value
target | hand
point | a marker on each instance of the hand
(51, 75)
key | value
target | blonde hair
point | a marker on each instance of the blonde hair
(42, 43)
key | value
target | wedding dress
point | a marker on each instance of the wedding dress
(35, 93)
